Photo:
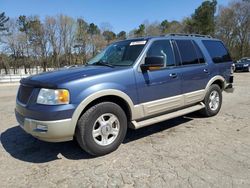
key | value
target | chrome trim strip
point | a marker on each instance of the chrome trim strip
(48, 122)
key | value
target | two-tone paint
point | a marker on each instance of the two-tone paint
(145, 94)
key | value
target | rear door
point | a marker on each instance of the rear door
(195, 71)
(220, 58)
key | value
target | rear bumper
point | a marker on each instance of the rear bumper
(50, 131)
(229, 86)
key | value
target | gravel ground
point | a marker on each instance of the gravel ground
(184, 152)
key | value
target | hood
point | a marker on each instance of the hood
(53, 78)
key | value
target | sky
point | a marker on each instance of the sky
(121, 14)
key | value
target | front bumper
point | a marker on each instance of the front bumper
(50, 131)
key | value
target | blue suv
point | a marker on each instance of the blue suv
(132, 83)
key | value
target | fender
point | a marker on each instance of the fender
(102, 93)
(212, 80)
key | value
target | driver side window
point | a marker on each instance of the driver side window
(162, 48)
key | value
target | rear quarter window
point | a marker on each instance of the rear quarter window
(217, 51)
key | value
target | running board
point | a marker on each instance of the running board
(147, 122)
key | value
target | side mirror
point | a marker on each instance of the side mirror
(153, 63)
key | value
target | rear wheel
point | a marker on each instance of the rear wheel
(102, 128)
(212, 101)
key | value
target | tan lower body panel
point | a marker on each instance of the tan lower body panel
(157, 119)
(167, 104)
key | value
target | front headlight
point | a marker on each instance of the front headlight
(245, 65)
(53, 96)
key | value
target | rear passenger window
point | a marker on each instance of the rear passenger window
(217, 51)
(176, 54)
(199, 53)
(187, 52)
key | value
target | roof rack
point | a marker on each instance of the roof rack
(189, 35)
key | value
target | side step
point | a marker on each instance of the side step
(144, 123)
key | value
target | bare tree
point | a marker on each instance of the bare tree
(94, 33)
(242, 16)
(106, 26)
(99, 43)
(81, 39)
(52, 30)
(175, 27)
(38, 39)
(233, 27)
(67, 31)
(152, 29)
(15, 46)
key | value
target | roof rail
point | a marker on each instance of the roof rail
(189, 35)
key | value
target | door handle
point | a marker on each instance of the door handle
(173, 75)
(206, 70)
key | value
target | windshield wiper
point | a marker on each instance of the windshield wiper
(102, 63)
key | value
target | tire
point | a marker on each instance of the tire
(248, 69)
(212, 108)
(101, 129)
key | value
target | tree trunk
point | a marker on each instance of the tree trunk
(6, 70)
(25, 69)
(44, 66)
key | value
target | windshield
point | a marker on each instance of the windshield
(122, 53)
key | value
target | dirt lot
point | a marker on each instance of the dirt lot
(183, 152)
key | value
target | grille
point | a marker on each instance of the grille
(24, 94)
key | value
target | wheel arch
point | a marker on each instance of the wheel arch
(219, 80)
(109, 95)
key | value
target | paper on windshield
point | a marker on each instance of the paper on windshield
(138, 43)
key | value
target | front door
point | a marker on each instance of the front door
(160, 90)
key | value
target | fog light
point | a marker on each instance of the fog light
(41, 128)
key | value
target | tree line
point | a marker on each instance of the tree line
(57, 41)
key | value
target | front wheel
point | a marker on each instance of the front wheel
(102, 128)
(212, 101)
